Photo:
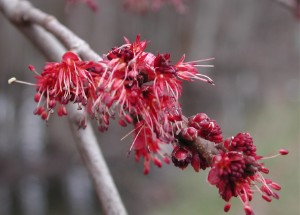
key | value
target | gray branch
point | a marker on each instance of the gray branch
(289, 4)
(32, 23)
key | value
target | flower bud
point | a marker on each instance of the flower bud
(37, 97)
(283, 151)
(227, 207)
(181, 157)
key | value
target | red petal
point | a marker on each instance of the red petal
(70, 55)
(213, 176)
(196, 162)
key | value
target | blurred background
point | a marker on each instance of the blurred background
(256, 45)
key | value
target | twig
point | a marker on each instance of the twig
(21, 12)
(289, 4)
(16, 11)
(86, 143)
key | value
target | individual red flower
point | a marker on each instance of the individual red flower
(242, 142)
(64, 82)
(119, 86)
(207, 128)
(186, 154)
(181, 157)
(146, 145)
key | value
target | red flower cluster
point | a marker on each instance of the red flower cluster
(237, 172)
(186, 151)
(61, 83)
(206, 128)
(143, 89)
(136, 86)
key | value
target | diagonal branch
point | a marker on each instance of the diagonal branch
(293, 5)
(16, 11)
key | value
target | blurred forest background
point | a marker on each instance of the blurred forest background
(256, 45)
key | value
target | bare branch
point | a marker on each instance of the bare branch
(289, 4)
(86, 144)
(21, 12)
(16, 12)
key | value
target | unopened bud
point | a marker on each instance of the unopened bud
(283, 151)
(227, 207)
(37, 97)
(31, 68)
(181, 157)
(122, 123)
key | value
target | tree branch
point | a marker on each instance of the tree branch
(293, 5)
(94, 160)
(21, 14)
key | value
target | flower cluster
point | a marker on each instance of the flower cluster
(60, 83)
(143, 89)
(206, 128)
(238, 172)
(136, 86)
(186, 151)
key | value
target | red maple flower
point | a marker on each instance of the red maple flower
(142, 87)
(206, 128)
(242, 142)
(146, 145)
(238, 173)
(64, 82)
(186, 154)
(181, 157)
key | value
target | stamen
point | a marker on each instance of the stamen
(202, 60)
(126, 135)
(202, 65)
(280, 152)
(14, 80)
(32, 69)
(132, 144)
